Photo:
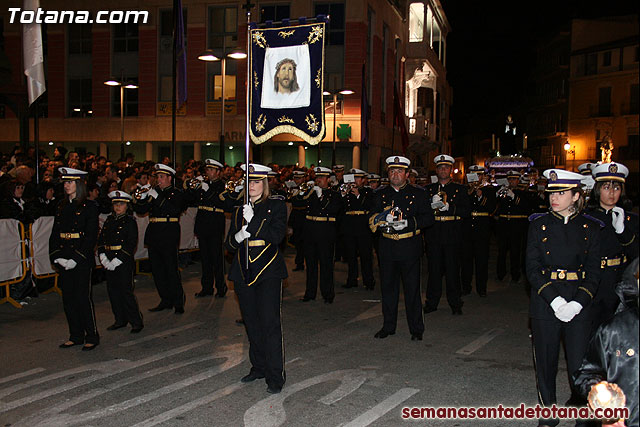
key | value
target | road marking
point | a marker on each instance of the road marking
(234, 356)
(351, 383)
(105, 369)
(160, 334)
(269, 412)
(20, 375)
(480, 342)
(383, 407)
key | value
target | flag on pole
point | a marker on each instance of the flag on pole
(364, 112)
(181, 54)
(32, 54)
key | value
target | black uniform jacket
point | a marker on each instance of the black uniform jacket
(355, 221)
(486, 203)
(553, 245)
(74, 233)
(520, 205)
(210, 216)
(169, 205)
(119, 237)
(267, 227)
(329, 206)
(457, 197)
(613, 244)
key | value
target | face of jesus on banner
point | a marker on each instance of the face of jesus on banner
(285, 80)
(286, 77)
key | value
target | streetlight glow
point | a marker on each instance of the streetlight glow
(208, 56)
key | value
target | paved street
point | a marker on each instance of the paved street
(184, 370)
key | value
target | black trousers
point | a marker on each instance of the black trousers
(510, 234)
(166, 276)
(547, 336)
(260, 305)
(211, 257)
(120, 288)
(394, 264)
(77, 301)
(319, 251)
(362, 245)
(443, 252)
(475, 255)
(606, 301)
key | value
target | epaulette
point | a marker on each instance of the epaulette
(535, 216)
(277, 197)
(594, 219)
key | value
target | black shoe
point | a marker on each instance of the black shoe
(116, 326)
(347, 286)
(383, 334)
(203, 294)
(271, 389)
(89, 347)
(222, 292)
(328, 300)
(69, 344)
(416, 337)
(137, 329)
(240, 321)
(428, 309)
(160, 307)
(307, 299)
(456, 311)
(179, 310)
(299, 268)
(251, 377)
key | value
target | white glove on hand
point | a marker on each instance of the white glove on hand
(247, 213)
(104, 260)
(444, 208)
(568, 311)
(152, 193)
(62, 262)
(617, 219)
(144, 195)
(71, 264)
(436, 199)
(389, 218)
(242, 234)
(109, 266)
(116, 262)
(318, 191)
(557, 303)
(205, 186)
(511, 194)
(200, 178)
(400, 226)
(238, 188)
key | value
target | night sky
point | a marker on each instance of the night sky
(492, 48)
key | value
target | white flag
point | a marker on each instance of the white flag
(32, 54)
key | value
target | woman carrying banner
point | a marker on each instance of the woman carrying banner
(263, 222)
(71, 250)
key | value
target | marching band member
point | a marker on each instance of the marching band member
(71, 249)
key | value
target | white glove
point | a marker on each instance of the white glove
(71, 264)
(617, 219)
(152, 193)
(247, 213)
(144, 195)
(400, 226)
(242, 234)
(444, 208)
(104, 260)
(389, 218)
(568, 311)
(557, 303)
(436, 199)
(109, 266)
(200, 178)
(318, 191)
(115, 263)
(62, 262)
(511, 194)
(146, 186)
(238, 188)
(205, 186)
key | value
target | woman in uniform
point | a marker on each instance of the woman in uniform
(619, 240)
(71, 250)
(563, 267)
(262, 225)
(116, 246)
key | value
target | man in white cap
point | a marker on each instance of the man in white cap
(355, 229)
(450, 204)
(209, 227)
(323, 206)
(164, 204)
(400, 211)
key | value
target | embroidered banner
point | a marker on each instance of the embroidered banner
(287, 69)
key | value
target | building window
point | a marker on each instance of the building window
(606, 59)
(223, 38)
(416, 22)
(130, 104)
(79, 98)
(79, 39)
(165, 53)
(604, 101)
(592, 64)
(336, 26)
(125, 38)
(274, 13)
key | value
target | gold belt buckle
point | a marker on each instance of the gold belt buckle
(603, 263)
(67, 236)
(562, 274)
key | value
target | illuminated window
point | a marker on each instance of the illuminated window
(416, 22)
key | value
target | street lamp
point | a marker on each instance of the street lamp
(123, 85)
(570, 150)
(209, 56)
(335, 101)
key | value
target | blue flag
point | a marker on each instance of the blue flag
(364, 112)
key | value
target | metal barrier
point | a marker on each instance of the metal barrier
(13, 257)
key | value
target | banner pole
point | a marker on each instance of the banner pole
(248, 7)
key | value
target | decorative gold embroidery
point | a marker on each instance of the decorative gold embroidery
(258, 38)
(262, 119)
(315, 34)
(256, 82)
(319, 77)
(312, 123)
(285, 34)
(285, 119)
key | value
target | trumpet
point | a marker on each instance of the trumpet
(192, 184)
(305, 187)
(139, 191)
(232, 184)
(346, 187)
(502, 191)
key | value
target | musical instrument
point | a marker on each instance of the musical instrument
(502, 191)
(139, 191)
(192, 184)
(232, 184)
(346, 187)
